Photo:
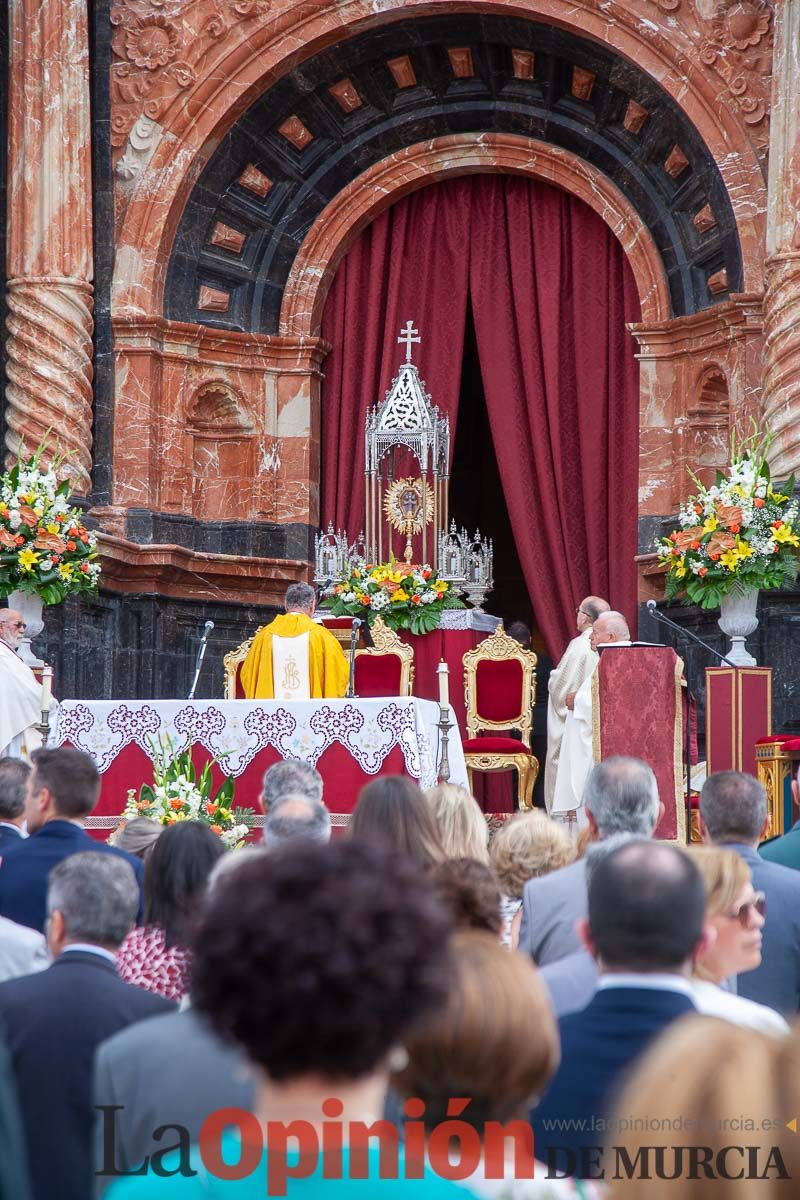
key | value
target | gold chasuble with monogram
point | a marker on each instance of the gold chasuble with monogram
(328, 669)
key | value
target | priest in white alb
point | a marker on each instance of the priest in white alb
(577, 755)
(20, 692)
(577, 663)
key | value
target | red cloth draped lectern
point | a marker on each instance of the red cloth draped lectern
(638, 709)
(738, 714)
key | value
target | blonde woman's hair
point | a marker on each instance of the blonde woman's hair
(724, 876)
(529, 845)
(462, 825)
(693, 1088)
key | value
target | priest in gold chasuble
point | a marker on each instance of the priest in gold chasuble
(327, 665)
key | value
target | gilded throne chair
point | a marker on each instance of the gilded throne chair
(387, 667)
(500, 690)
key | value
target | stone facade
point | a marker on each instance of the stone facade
(238, 149)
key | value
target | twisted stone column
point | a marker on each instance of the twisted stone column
(782, 298)
(49, 324)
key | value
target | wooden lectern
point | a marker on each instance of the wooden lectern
(738, 713)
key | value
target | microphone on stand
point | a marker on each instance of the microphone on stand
(201, 653)
(657, 615)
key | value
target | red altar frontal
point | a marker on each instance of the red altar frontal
(348, 741)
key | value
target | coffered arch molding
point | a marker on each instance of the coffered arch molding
(255, 56)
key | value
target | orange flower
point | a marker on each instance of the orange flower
(19, 540)
(7, 539)
(28, 516)
(720, 541)
(50, 541)
(176, 804)
(759, 503)
(415, 600)
(698, 508)
(85, 568)
(211, 809)
(703, 571)
(685, 537)
(216, 829)
(729, 514)
(71, 545)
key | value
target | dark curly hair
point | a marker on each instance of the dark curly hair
(469, 890)
(321, 959)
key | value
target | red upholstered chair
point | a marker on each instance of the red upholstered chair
(388, 668)
(500, 690)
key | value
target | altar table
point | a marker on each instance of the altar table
(348, 741)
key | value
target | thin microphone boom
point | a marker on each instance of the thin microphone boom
(201, 653)
(665, 620)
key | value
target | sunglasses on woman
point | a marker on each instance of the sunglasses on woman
(743, 914)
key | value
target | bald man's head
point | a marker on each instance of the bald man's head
(608, 628)
(589, 610)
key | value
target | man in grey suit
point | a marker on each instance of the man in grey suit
(621, 796)
(170, 1070)
(733, 813)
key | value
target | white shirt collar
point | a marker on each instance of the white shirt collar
(88, 948)
(11, 825)
(661, 981)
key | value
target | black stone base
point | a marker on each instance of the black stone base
(776, 644)
(140, 647)
(260, 539)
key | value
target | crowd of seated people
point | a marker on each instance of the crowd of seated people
(412, 1008)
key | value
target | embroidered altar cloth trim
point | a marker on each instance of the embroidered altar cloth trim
(234, 731)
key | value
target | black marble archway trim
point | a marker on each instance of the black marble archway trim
(244, 280)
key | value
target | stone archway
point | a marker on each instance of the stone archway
(241, 195)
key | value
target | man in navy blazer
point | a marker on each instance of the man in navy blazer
(53, 1022)
(62, 790)
(733, 813)
(645, 927)
(13, 780)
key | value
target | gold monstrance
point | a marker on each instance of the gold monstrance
(406, 421)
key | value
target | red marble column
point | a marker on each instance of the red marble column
(782, 299)
(49, 325)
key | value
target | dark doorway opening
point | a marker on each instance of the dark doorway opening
(476, 489)
(477, 501)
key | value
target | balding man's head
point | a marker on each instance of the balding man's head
(589, 610)
(609, 627)
(646, 909)
(297, 816)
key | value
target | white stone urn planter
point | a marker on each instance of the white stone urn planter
(30, 606)
(737, 618)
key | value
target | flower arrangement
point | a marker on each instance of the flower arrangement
(179, 794)
(45, 548)
(405, 596)
(740, 534)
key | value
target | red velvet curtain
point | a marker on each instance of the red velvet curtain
(551, 292)
(409, 264)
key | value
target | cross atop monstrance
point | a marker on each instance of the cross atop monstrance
(409, 335)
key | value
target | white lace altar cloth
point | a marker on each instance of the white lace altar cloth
(468, 618)
(234, 731)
